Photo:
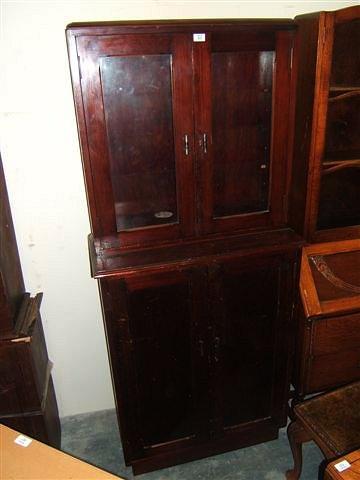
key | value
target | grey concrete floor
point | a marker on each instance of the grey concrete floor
(94, 437)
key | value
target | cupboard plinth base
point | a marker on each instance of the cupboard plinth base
(206, 449)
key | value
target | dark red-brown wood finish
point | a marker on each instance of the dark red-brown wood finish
(197, 143)
(324, 202)
(12, 287)
(328, 341)
(27, 396)
(185, 129)
(200, 365)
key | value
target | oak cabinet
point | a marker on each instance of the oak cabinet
(325, 195)
(185, 133)
(328, 340)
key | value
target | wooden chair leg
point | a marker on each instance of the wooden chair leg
(297, 435)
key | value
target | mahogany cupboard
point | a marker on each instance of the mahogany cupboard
(325, 201)
(184, 131)
(200, 362)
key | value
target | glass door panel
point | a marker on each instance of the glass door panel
(241, 129)
(137, 97)
(242, 111)
(136, 93)
(339, 204)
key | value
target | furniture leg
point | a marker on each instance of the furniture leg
(297, 435)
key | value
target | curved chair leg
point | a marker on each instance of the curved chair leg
(297, 435)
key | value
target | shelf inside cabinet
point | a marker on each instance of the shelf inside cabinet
(344, 88)
(331, 166)
(145, 198)
(340, 93)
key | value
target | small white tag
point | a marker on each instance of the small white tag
(341, 466)
(23, 441)
(199, 37)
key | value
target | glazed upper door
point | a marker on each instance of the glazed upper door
(242, 99)
(339, 179)
(137, 105)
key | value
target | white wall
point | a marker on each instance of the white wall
(42, 164)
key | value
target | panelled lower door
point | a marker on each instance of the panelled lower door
(157, 332)
(251, 305)
(242, 83)
(137, 102)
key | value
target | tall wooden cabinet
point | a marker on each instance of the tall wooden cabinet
(184, 131)
(325, 202)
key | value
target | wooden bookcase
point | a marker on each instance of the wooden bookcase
(324, 198)
(185, 131)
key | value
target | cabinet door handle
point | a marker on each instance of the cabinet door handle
(201, 345)
(216, 349)
(186, 144)
(205, 143)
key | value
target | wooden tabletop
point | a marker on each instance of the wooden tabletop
(35, 460)
(350, 473)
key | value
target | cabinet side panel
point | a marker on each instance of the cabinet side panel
(305, 57)
(11, 281)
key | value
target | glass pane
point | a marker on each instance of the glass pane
(138, 113)
(345, 70)
(241, 95)
(339, 204)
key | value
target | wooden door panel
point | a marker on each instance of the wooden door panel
(160, 342)
(162, 354)
(248, 358)
(251, 301)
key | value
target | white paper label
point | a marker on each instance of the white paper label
(199, 37)
(23, 441)
(341, 466)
